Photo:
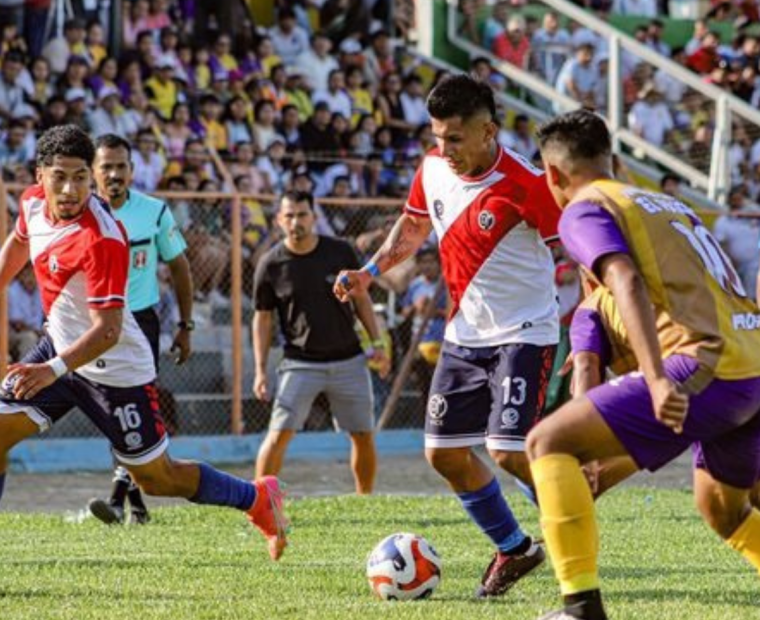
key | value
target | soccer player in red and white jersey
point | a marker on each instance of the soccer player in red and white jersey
(493, 215)
(94, 356)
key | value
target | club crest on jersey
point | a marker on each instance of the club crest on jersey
(486, 220)
(53, 263)
(509, 418)
(437, 408)
(438, 208)
(140, 259)
(133, 440)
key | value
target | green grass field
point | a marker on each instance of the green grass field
(659, 562)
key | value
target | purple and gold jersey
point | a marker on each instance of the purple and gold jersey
(701, 307)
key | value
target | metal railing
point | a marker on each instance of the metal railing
(728, 108)
(695, 197)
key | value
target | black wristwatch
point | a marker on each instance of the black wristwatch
(188, 326)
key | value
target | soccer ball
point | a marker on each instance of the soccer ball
(403, 567)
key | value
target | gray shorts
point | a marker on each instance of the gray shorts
(346, 384)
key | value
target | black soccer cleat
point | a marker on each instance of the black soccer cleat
(506, 570)
(139, 517)
(581, 606)
(568, 613)
(109, 514)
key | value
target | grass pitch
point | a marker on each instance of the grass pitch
(659, 562)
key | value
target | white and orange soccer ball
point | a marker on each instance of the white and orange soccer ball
(403, 567)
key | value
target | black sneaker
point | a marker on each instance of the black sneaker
(109, 514)
(506, 570)
(138, 517)
(581, 606)
(568, 614)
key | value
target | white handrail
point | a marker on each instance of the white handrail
(716, 184)
(537, 114)
(525, 78)
(689, 78)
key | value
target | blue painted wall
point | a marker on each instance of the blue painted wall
(60, 455)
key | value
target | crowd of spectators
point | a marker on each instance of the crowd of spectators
(661, 109)
(323, 100)
(320, 100)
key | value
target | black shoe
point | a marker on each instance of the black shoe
(567, 614)
(581, 606)
(110, 514)
(506, 570)
(138, 517)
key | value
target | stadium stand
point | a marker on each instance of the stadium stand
(290, 94)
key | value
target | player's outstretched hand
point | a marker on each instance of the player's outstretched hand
(261, 387)
(181, 346)
(28, 379)
(671, 405)
(350, 283)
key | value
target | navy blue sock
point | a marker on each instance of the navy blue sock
(2, 484)
(488, 509)
(220, 489)
(527, 490)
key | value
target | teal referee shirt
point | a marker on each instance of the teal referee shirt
(153, 234)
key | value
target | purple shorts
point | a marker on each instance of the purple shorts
(723, 423)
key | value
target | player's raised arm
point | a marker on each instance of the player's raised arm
(405, 238)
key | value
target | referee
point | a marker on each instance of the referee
(153, 235)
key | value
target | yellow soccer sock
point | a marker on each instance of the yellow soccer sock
(746, 539)
(568, 521)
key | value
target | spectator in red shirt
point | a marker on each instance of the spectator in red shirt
(513, 45)
(705, 59)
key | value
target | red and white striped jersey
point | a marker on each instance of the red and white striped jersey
(83, 264)
(492, 231)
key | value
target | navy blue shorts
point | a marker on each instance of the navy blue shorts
(128, 416)
(491, 395)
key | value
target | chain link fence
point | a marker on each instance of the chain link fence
(197, 398)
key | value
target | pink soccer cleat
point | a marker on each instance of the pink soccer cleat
(268, 516)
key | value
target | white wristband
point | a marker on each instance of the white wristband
(59, 367)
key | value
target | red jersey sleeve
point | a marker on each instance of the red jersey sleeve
(106, 267)
(416, 204)
(35, 191)
(541, 211)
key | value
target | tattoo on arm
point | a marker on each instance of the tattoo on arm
(404, 239)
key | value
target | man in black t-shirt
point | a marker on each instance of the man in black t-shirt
(322, 352)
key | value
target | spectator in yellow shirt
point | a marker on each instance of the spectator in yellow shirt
(361, 99)
(221, 56)
(210, 119)
(161, 88)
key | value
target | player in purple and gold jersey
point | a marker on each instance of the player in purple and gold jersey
(599, 342)
(695, 336)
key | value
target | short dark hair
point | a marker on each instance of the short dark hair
(112, 141)
(67, 141)
(581, 133)
(296, 197)
(14, 56)
(669, 176)
(286, 12)
(460, 95)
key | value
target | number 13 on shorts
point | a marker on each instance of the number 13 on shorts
(514, 391)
